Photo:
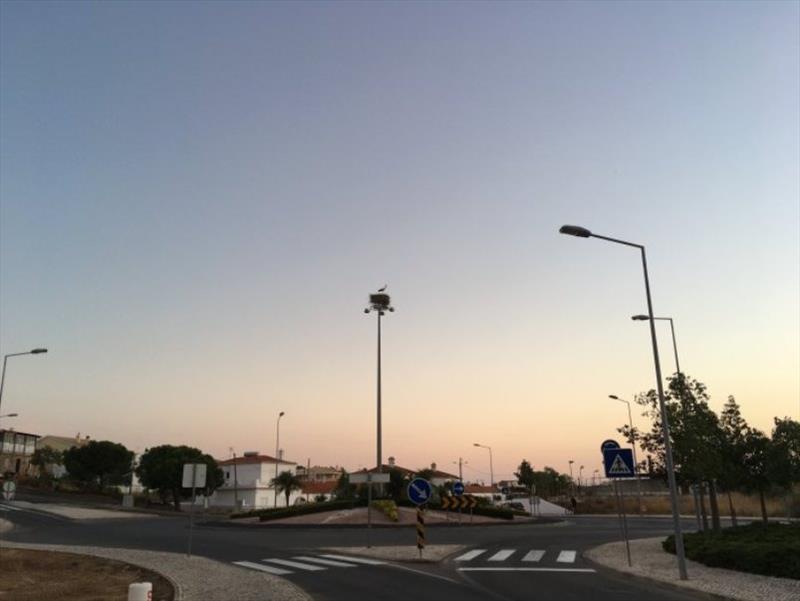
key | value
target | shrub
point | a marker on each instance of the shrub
(286, 512)
(387, 507)
(771, 549)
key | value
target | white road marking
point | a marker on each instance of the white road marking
(11, 508)
(407, 569)
(502, 555)
(578, 570)
(470, 555)
(326, 562)
(262, 568)
(533, 556)
(369, 562)
(295, 564)
(566, 557)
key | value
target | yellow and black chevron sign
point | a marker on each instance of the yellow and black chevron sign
(462, 502)
(420, 530)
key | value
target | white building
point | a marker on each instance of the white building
(248, 481)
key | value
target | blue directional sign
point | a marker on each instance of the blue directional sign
(618, 463)
(458, 488)
(419, 491)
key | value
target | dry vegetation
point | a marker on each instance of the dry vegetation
(28, 575)
(745, 505)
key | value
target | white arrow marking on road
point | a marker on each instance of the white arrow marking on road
(533, 556)
(296, 564)
(262, 568)
(566, 557)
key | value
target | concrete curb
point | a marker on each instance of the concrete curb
(196, 578)
(651, 562)
(270, 524)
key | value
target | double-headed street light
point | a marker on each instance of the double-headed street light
(672, 327)
(582, 232)
(36, 351)
(633, 445)
(491, 465)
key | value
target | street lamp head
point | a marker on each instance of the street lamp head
(575, 230)
(475, 444)
(571, 461)
(281, 414)
(10, 415)
(613, 396)
(640, 318)
(38, 351)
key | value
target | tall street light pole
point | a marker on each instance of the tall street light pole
(277, 452)
(581, 232)
(580, 476)
(633, 444)
(36, 351)
(571, 479)
(672, 327)
(491, 465)
(380, 303)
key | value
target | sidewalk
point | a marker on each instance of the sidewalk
(194, 578)
(651, 561)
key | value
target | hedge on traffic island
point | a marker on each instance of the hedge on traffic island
(277, 513)
(768, 549)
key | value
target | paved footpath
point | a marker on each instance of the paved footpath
(651, 561)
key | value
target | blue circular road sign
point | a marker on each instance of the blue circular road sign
(419, 491)
(458, 488)
(609, 444)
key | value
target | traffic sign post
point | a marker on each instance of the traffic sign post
(420, 492)
(194, 477)
(9, 490)
(458, 490)
(618, 463)
(368, 478)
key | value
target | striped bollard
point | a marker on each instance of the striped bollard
(420, 530)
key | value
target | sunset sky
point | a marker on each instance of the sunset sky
(197, 199)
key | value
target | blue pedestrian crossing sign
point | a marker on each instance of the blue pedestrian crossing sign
(458, 488)
(618, 463)
(419, 491)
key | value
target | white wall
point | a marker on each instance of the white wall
(252, 486)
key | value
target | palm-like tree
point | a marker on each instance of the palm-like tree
(286, 482)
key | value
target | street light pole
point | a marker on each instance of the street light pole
(580, 476)
(581, 232)
(571, 479)
(491, 466)
(277, 459)
(36, 351)
(633, 445)
(380, 302)
(672, 328)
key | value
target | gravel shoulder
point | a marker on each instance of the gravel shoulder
(404, 553)
(195, 578)
(651, 561)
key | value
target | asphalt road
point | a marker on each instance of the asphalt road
(519, 562)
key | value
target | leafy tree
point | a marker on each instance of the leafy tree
(286, 482)
(756, 461)
(398, 483)
(784, 465)
(734, 432)
(344, 490)
(426, 473)
(98, 463)
(44, 457)
(524, 474)
(161, 469)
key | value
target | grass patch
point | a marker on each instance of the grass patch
(29, 575)
(771, 549)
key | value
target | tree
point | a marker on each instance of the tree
(735, 432)
(396, 488)
(98, 463)
(525, 475)
(161, 469)
(44, 457)
(756, 463)
(344, 490)
(286, 482)
(784, 465)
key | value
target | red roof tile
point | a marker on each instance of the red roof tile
(253, 459)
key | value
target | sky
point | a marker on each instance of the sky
(196, 200)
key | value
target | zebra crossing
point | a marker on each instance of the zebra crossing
(279, 566)
(516, 560)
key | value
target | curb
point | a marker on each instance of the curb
(268, 524)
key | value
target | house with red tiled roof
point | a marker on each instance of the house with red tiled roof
(248, 482)
(437, 478)
(314, 491)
